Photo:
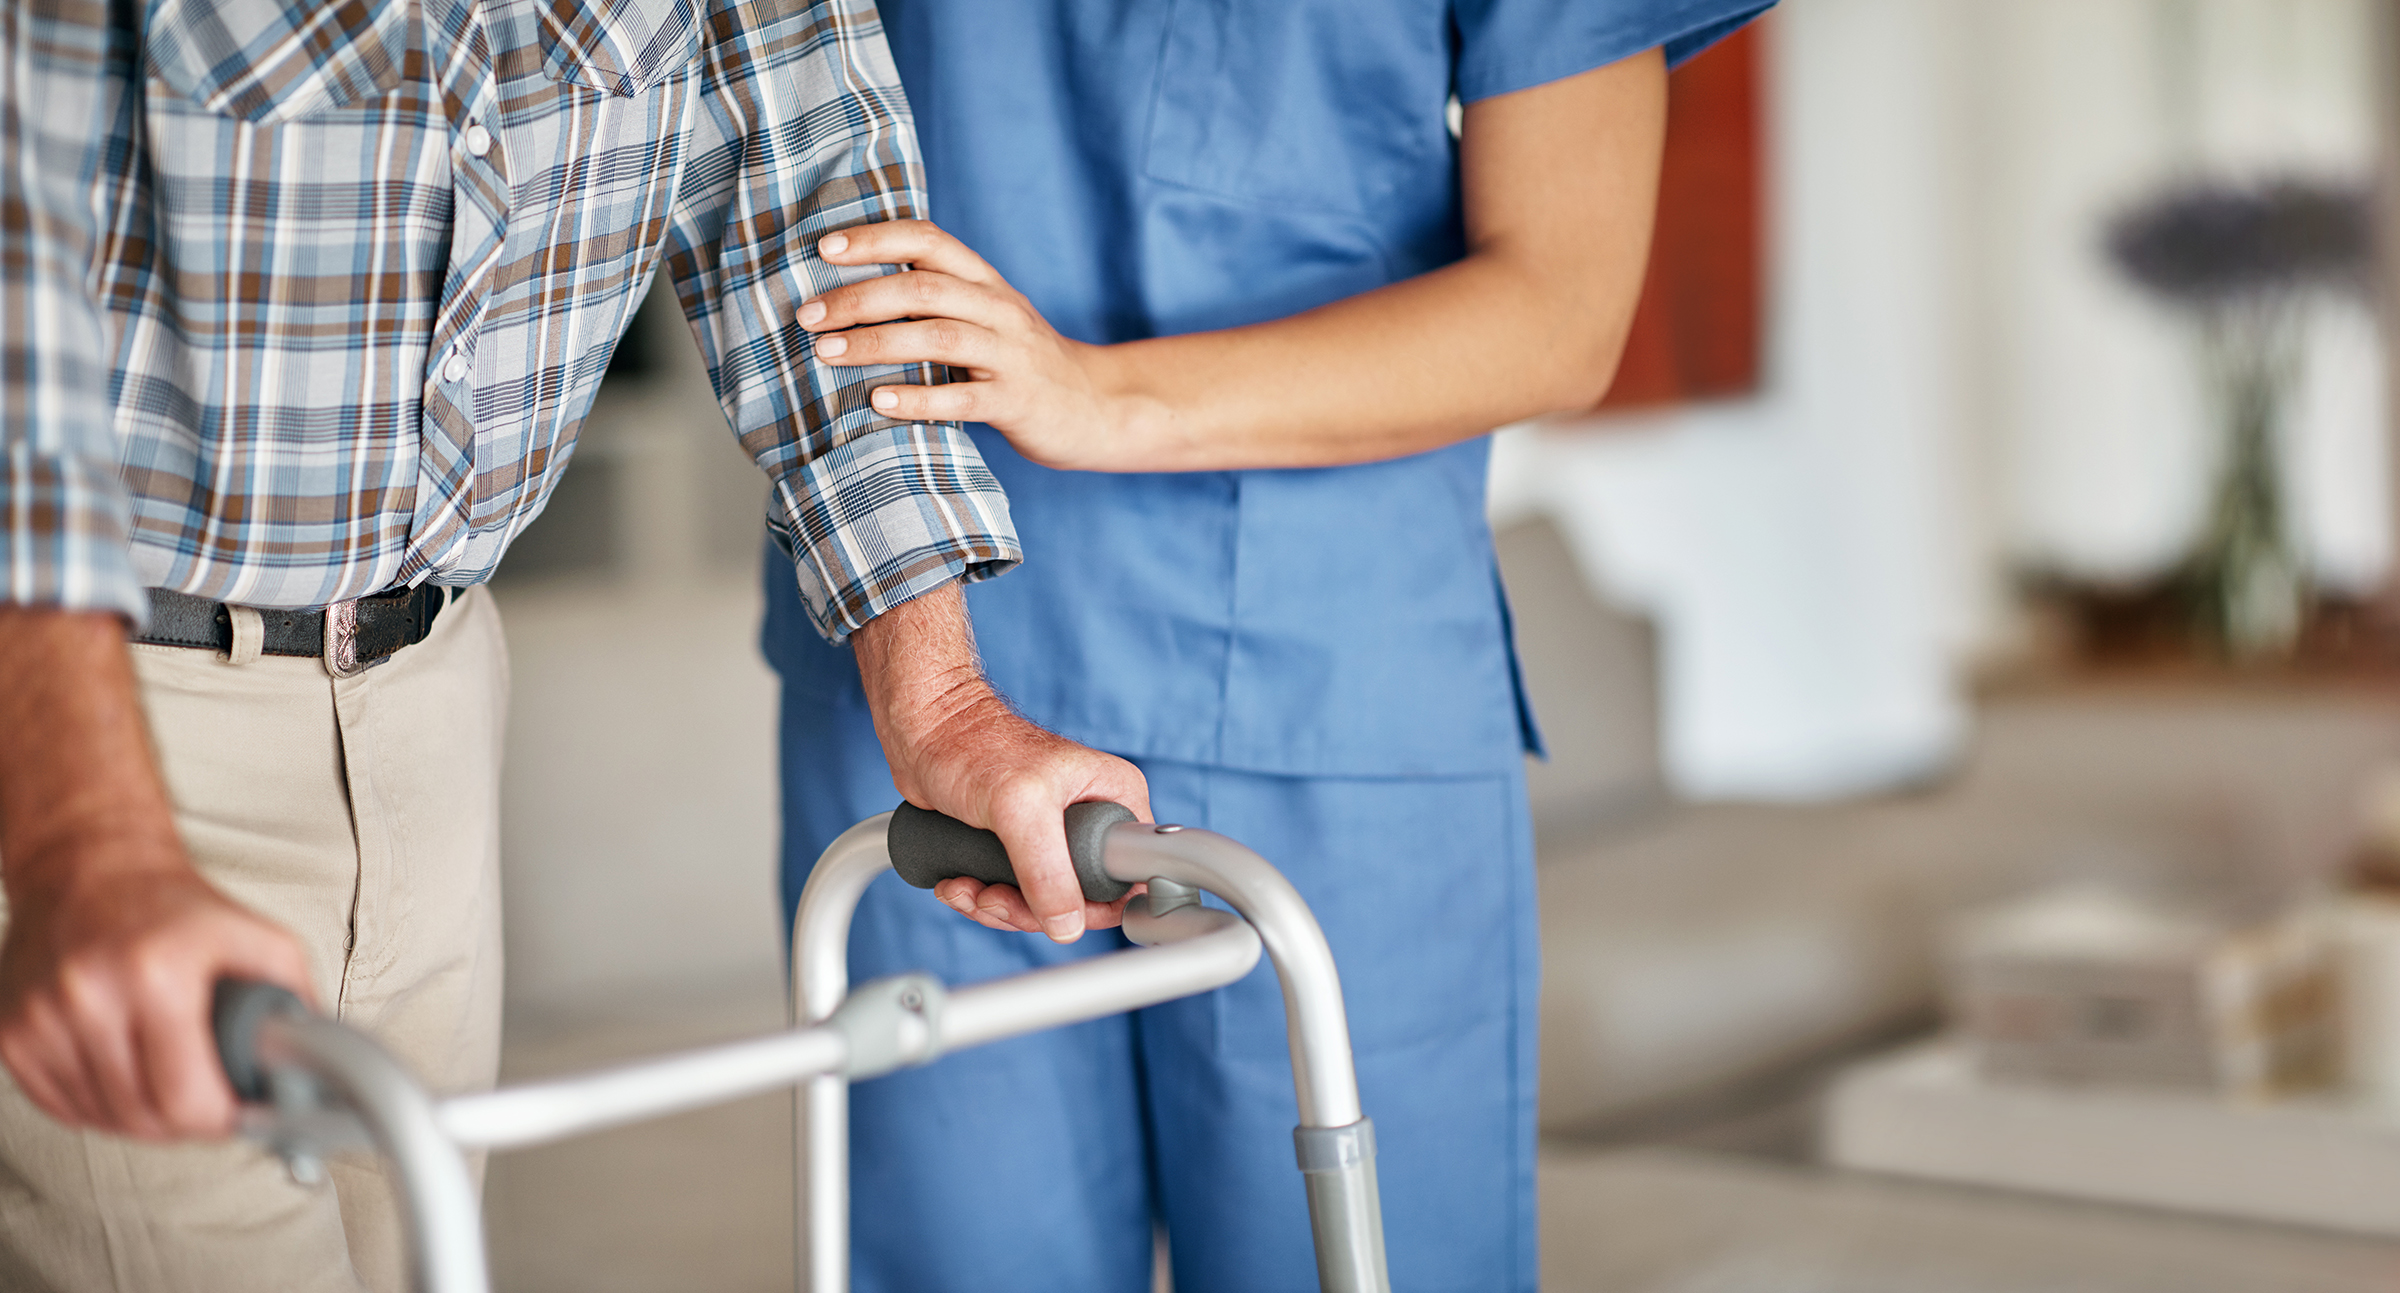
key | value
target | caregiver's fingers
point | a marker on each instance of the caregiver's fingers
(906, 242)
(921, 341)
(917, 294)
(949, 402)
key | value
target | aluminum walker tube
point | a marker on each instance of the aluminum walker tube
(439, 1207)
(1335, 1142)
(312, 1086)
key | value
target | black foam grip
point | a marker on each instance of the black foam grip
(928, 848)
(237, 1009)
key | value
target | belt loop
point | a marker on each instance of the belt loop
(249, 634)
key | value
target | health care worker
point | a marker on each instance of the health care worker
(1270, 305)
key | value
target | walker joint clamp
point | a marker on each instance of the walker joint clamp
(1335, 1149)
(890, 1024)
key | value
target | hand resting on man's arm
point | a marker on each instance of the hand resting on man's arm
(1559, 184)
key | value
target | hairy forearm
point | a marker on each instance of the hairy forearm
(917, 663)
(954, 746)
(78, 785)
(113, 937)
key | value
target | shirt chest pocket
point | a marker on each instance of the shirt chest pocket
(1315, 104)
(271, 61)
(622, 47)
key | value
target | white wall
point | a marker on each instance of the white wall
(2110, 448)
(1958, 385)
(639, 811)
(1810, 556)
(639, 805)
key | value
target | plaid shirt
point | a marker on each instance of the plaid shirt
(305, 299)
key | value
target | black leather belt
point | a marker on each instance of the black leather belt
(351, 637)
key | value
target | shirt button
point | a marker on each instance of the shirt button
(479, 140)
(454, 369)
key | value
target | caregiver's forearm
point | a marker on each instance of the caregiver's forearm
(1560, 185)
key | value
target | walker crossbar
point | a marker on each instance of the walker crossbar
(314, 1087)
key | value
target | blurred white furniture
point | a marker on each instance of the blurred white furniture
(1691, 948)
(1678, 1221)
(1925, 1112)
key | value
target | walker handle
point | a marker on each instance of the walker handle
(236, 1009)
(928, 848)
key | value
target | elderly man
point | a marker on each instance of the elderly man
(301, 307)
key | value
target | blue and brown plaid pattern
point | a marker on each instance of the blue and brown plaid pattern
(304, 300)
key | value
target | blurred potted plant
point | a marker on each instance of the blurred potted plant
(2244, 261)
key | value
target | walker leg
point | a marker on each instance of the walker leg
(824, 1203)
(1345, 1212)
(820, 980)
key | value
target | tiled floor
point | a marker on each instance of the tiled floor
(703, 1202)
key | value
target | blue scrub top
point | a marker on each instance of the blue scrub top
(1147, 167)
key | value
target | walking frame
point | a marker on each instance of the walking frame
(313, 1087)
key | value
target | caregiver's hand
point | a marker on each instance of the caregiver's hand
(1559, 183)
(955, 746)
(1052, 396)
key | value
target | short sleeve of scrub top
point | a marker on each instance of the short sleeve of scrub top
(1509, 45)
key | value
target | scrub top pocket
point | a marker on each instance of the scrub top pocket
(1325, 105)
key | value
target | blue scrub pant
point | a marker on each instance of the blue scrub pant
(1040, 1164)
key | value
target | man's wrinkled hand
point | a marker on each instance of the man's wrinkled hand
(114, 943)
(989, 767)
(105, 985)
(956, 747)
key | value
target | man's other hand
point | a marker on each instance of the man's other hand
(956, 747)
(104, 998)
(114, 942)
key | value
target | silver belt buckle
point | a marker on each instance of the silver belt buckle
(341, 640)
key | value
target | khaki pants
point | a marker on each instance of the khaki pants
(363, 815)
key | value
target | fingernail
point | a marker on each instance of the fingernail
(994, 911)
(811, 312)
(834, 244)
(886, 399)
(831, 346)
(1064, 929)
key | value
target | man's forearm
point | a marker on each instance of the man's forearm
(113, 938)
(917, 663)
(78, 784)
(955, 746)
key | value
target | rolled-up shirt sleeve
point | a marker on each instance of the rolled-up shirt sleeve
(802, 129)
(64, 520)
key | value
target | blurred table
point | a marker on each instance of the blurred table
(1925, 1112)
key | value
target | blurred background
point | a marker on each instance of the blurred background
(1969, 643)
